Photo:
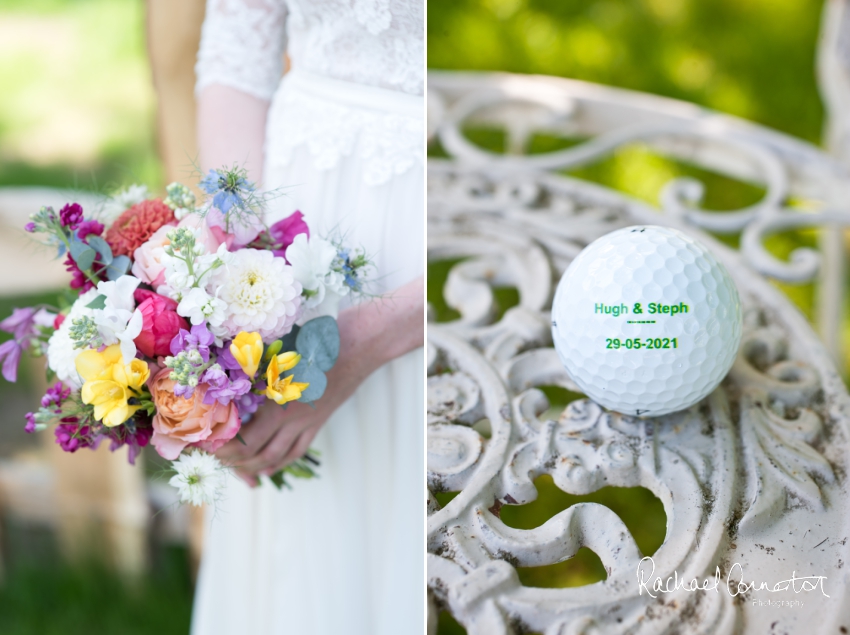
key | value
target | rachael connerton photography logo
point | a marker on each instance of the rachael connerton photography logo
(734, 584)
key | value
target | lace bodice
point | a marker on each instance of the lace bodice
(373, 42)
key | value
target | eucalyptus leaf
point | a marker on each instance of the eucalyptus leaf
(61, 249)
(101, 247)
(98, 303)
(118, 267)
(318, 342)
(289, 339)
(82, 254)
(307, 373)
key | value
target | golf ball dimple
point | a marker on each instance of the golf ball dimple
(646, 321)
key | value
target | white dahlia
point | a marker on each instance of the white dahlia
(260, 293)
(61, 354)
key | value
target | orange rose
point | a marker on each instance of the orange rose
(179, 422)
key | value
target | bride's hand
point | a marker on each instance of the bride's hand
(275, 437)
(371, 334)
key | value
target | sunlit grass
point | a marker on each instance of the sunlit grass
(77, 107)
(751, 59)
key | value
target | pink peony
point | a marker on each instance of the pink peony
(180, 422)
(284, 231)
(160, 323)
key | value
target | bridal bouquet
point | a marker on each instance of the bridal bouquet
(182, 319)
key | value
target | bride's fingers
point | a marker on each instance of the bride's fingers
(276, 448)
(255, 434)
(249, 479)
(298, 449)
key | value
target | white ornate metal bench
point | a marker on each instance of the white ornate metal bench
(753, 479)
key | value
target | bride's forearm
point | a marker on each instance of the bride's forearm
(378, 331)
(231, 129)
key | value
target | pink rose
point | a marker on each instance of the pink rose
(179, 422)
(160, 323)
(284, 231)
(147, 259)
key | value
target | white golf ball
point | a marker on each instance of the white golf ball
(646, 321)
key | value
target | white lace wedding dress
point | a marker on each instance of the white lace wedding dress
(345, 135)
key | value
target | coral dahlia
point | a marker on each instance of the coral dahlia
(135, 226)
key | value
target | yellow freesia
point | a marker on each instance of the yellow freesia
(287, 361)
(92, 364)
(283, 389)
(133, 375)
(110, 384)
(110, 401)
(247, 350)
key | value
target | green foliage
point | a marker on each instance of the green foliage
(752, 59)
(77, 107)
(55, 598)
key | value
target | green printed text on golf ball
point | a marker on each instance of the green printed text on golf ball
(637, 343)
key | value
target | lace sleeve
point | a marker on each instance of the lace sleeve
(242, 45)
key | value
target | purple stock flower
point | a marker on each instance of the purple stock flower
(30, 427)
(71, 436)
(135, 439)
(199, 339)
(29, 227)
(21, 323)
(222, 388)
(248, 404)
(55, 395)
(10, 354)
(71, 215)
(89, 227)
(183, 391)
(225, 358)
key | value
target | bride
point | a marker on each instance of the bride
(343, 133)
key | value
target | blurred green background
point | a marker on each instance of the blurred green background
(76, 111)
(77, 100)
(750, 58)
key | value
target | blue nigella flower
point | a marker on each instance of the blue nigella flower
(228, 189)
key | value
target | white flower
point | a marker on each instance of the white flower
(200, 478)
(199, 306)
(61, 354)
(311, 261)
(119, 293)
(260, 294)
(117, 322)
(124, 200)
(177, 277)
